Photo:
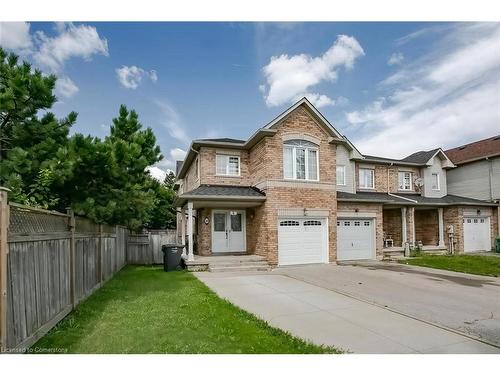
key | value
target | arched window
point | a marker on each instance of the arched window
(300, 160)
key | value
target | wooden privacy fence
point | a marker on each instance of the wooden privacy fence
(50, 261)
(145, 248)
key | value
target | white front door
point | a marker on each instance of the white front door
(228, 231)
(355, 239)
(477, 234)
(302, 240)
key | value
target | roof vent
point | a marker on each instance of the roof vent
(462, 147)
(496, 138)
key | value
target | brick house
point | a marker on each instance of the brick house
(297, 191)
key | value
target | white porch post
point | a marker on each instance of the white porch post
(183, 230)
(441, 226)
(190, 231)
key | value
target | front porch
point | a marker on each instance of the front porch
(406, 228)
(217, 220)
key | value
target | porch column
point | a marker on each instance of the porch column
(411, 224)
(190, 231)
(404, 234)
(441, 226)
(183, 231)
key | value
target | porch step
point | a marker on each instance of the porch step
(393, 254)
(238, 263)
(256, 266)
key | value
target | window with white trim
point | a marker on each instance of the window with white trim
(435, 181)
(300, 160)
(405, 180)
(227, 165)
(366, 178)
(341, 175)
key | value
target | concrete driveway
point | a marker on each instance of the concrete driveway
(466, 303)
(318, 314)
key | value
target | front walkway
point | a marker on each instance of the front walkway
(323, 316)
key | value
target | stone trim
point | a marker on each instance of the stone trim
(349, 214)
(301, 212)
(262, 185)
(303, 136)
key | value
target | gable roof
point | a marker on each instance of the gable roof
(475, 151)
(417, 159)
(312, 110)
(267, 130)
(420, 157)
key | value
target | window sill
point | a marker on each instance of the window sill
(297, 180)
(366, 188)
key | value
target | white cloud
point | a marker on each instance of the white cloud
(15, 36)
(172, 121)
(318, 100)
(130, 77)
(71, 41)
(168, 163)
(65, 87)
(157, 173)
(448, 97)
(396, 59)
(288, 77)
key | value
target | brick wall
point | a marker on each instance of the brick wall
(208, 169)
(382, 180)
(427, 227)
(373, 208)
(204, 232)
(265, 222)
(266, 158)
(454, 216)
(393, 225)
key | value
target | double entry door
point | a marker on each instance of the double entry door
(228, 231)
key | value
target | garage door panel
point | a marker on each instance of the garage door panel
(302, 241)
(477, 236)
(355, 239)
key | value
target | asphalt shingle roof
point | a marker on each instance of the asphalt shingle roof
(226, 190)
(475, 150)
(420, 157)
(370, 196)
(223, 140)
(417, 199)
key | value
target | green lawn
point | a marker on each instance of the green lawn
(146, 310)
(475, 264)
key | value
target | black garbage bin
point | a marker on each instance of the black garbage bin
(172, 257)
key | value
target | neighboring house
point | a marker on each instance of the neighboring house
(297, 191)
(478, 170)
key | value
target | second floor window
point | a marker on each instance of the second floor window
(300, 160)
(227, 165)
(435, 181)
(341, 175)
(405, 181)
(366, 178)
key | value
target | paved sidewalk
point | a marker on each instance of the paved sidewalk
(327, 317)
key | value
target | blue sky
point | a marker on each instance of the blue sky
(392, 88)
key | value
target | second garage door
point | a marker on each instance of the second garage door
(302, 241)
(355, 239)
(477, 234)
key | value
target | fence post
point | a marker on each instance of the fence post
(72, 256)
(101, 244)
(4, 250)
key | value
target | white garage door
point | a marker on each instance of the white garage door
(302, 241)
(355, 239)
(477, 234)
